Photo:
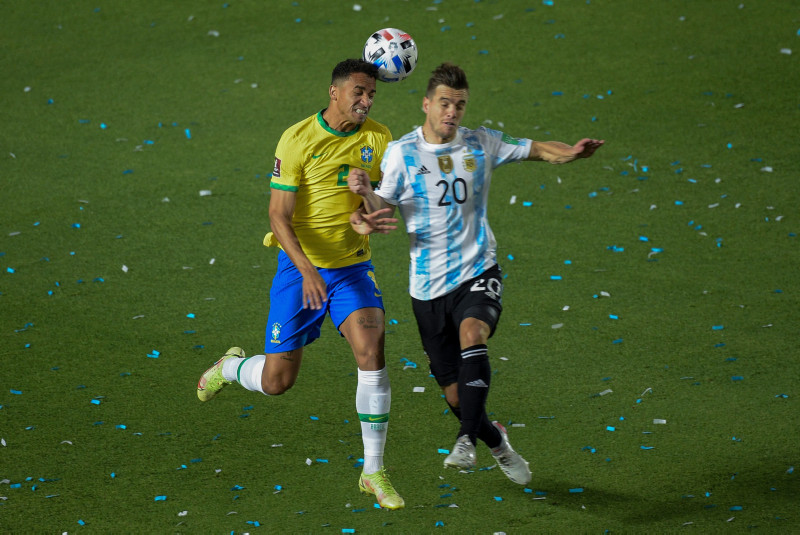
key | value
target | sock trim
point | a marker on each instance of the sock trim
(373, 418)
(475, 351)
(239, 370)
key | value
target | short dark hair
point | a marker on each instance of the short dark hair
(447, 74)
(345, 68)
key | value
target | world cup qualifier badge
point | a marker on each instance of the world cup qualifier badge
(276, 170)
(445, 164)
(276, 333)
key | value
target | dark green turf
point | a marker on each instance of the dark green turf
(676, 248)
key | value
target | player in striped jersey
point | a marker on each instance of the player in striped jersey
(439, 176)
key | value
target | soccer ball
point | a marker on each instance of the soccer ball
(393, 51)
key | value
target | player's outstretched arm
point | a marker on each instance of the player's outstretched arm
(369, 223)
(556, 152)
(359, 183)
(281, 210)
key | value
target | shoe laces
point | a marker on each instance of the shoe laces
(507, 456)
(463, 445)
(381, 480)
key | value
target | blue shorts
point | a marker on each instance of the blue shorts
(290, 326)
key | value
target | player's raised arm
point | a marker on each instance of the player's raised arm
(281, 210)
(359, 183)
(556, 152)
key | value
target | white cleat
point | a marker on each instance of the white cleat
(463, 455)
(510, 462)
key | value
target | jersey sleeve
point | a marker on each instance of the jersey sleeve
(392, 172)
(385, 140)
(287, 170)
(502, 147)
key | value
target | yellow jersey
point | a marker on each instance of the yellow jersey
(313, 161)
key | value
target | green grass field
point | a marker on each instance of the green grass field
(655, 281)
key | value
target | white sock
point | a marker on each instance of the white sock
(373, 399)
(230, 368)
(246, 371)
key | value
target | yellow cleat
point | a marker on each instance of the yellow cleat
(379, 485)
(212, 380)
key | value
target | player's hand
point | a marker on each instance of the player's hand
(358, 181)
(586, 147)
(315, 291)
(373, 222)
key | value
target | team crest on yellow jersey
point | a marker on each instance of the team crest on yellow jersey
(446, 164)
(367, 154)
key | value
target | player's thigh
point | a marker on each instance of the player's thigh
(356, 308)
(439, 339)
(476, 307)
(289, 325)
(364, 331)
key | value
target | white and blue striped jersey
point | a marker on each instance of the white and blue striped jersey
(442, 192)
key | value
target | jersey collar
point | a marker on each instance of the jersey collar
(330, 130)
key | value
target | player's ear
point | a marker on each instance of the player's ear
(425, 104)
(332, 92)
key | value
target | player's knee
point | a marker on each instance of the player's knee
(476, 329)
(451, 395)
(477, 334)
(276, 386)
(371, 360)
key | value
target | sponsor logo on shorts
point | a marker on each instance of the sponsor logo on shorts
(371, 275)
(276, 333)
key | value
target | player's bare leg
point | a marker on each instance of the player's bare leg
(364, 330)
(280, 371)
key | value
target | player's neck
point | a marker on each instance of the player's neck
(338, 122)
(433, 138)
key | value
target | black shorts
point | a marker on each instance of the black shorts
(439, 319)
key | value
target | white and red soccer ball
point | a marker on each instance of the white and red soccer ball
(393, 51)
